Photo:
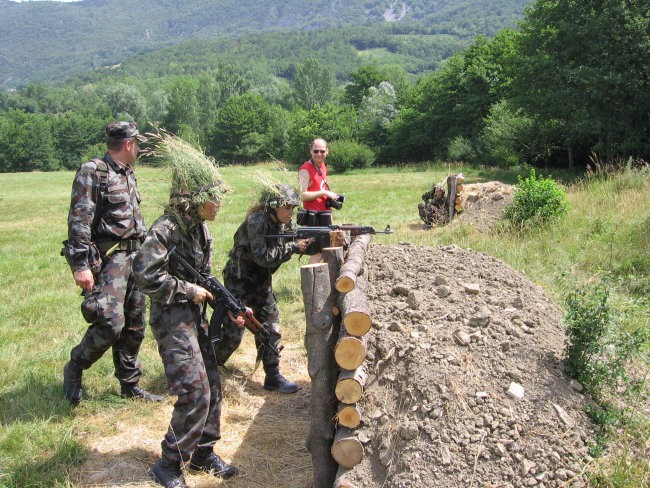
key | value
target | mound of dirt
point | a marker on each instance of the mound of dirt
(465, 380)
(485, 203)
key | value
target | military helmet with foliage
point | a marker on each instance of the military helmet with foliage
(195, 178)
(275, 196)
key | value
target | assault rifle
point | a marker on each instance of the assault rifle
(223, 302)
(315, 232)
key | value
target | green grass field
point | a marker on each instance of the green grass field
(606, 234)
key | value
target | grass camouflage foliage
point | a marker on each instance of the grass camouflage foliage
(44, 441)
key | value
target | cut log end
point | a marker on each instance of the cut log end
(347, 451)
(349, 353)
(357, 323)
(344, 284)
(348, 391)
(348, 416)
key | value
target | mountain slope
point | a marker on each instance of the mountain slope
(48, 40)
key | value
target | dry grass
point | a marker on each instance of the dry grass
(263, 433)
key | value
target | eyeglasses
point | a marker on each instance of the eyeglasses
(319, 151)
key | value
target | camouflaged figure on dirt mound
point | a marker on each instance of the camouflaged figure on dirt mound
(249, 271)
(105, 228)
(433, 209)
(178, 314)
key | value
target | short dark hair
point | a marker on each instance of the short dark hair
(115, 143)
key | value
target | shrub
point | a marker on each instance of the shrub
(345, 154)
(597, 350)
(537, 200)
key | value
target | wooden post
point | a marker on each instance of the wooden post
(319, 338)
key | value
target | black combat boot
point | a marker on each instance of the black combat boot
(135, 392)
(209, 462)
(167, 474)
(275, 381)
(72, 388)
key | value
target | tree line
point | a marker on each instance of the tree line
(570, 83)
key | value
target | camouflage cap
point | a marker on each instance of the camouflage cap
(124, 130)
(279, 195)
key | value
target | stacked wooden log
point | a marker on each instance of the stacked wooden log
(351, 312)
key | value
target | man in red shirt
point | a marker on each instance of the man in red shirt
(315, 190)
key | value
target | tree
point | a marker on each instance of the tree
(73, 134)
(586, 65)
(378, 108)
(26, 143)
(183, 107)
(453, 101)
(331, 122)
(126, 102)
(360, 82)
(247, 129)
(313, 84)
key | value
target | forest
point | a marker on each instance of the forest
(566, 84)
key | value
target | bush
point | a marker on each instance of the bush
(346, 154)
(597, 351)
(537, 200)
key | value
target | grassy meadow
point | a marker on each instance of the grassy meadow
(43, 440)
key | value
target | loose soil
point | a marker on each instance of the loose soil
(453, 331)
(484, 203)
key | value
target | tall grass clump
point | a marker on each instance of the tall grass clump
(538, 200)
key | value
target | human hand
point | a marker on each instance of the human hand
(84, 279)
(331, 194)
(202, 295)
(304, 243)
(239, 320)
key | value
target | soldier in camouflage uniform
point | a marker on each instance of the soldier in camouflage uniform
(248, 275)
(432, 210)
(105, 228)
(178, 321)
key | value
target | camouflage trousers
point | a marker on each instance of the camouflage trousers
(192, 375)
(260, 298)
(431, 214)
(115, 308)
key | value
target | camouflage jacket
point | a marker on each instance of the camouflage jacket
(254, 253)
(430, 197)
(120, 217)
(158, 275)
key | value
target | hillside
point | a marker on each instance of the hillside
(49, 40)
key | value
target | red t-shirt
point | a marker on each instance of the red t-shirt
(317, 182)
